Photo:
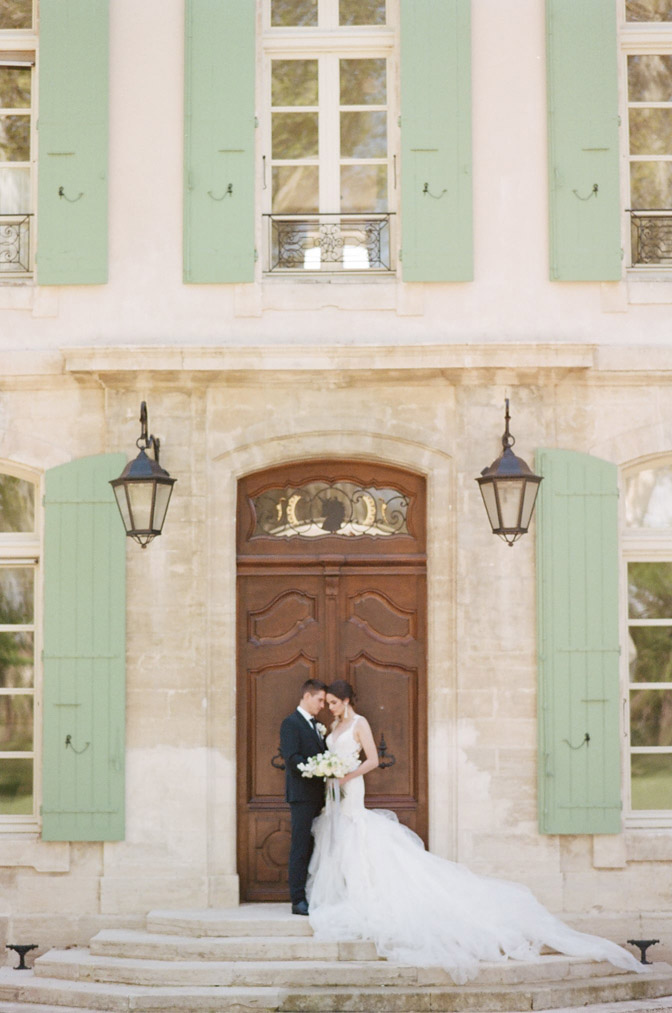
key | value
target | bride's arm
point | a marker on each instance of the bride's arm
(364, 736)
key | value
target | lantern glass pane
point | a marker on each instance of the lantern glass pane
(510, 493)
(163, 491)
(490, 500)
(529, 498)
(141, 497)
(122, 503)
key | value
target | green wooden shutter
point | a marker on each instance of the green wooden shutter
(219, 141)
(84, 653)
(437, 240)
(72, 142)
(582, 49)
(578, 693)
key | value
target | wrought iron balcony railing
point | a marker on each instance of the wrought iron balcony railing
(651, 235)
(15, 242)
(329, 242)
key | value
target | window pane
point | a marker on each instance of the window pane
(16, 14)
(364, 135)
(16, 787)
(651, 717)
(17, 504)
(14, 87)
(294, 83)
(650, 78)
(363, 188)
(363, 82)
(14, 191)
(16, 723)
(651, 131)
(16, 660)
(648, 498)
(648, 10)
(295, 189)
(294, 13)
(14, 138)
(361, 12)
(651, 781)
(295, 135)
(651, 184)
(650, 654)
(16, 594)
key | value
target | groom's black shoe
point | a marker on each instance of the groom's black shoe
(300, 909)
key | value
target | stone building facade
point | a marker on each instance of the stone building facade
(343, 363)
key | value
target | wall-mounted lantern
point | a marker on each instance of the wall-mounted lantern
(143, 489)
(509, 489)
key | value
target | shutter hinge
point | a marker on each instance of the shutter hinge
(620, 121)
(398, 121)
(256, 255)
(400, 255)
(256, 122)
(622, 253)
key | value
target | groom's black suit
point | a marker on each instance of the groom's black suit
(298, 741)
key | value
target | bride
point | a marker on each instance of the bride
(370, 878)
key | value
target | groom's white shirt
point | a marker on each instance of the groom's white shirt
(306, 715)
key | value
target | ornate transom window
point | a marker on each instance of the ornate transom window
(323, 508)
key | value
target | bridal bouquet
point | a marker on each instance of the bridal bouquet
(329, 764)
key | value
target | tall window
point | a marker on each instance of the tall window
(17, 89)
(329, 151)
(647, 42)
(19, 630)
(648, 551)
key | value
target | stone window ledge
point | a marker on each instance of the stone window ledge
(26, 849)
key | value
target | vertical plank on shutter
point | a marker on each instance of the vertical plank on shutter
(84, 653)
(578, 693)
(219, 141)
(582, 55)
(437, 240)
(72, 142)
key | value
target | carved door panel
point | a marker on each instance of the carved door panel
(382, 655)
(331, 584)
(281, 644)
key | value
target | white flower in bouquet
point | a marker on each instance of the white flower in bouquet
(329, 764)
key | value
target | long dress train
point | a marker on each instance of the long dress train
(371, 878)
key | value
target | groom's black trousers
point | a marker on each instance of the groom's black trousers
(303, 814)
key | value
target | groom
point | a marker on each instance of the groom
(299, 740)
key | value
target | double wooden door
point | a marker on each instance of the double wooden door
(307, 613)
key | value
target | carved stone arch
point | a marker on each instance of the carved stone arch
(396, 449)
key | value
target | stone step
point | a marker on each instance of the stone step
(246, 920)
(475, 998)
(160, 946)
(81, 965)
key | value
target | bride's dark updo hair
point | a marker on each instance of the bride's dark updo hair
(342, 689)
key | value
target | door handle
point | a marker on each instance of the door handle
(383, 759)
(276, 761)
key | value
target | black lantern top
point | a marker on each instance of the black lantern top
(143, 489)
(509, 489)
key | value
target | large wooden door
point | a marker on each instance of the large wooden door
(335, 598)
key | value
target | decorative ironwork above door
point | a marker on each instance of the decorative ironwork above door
(330, 508)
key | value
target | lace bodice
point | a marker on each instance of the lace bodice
(343, 743)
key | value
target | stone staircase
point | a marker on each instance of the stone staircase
(260, 957)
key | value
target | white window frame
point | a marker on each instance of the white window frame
(638, 38)
(25, 548)
(26, 40)
(638, 546)
(330, 39)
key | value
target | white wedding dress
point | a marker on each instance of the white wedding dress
(371, 878)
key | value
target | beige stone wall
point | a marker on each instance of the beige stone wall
(217, 424)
